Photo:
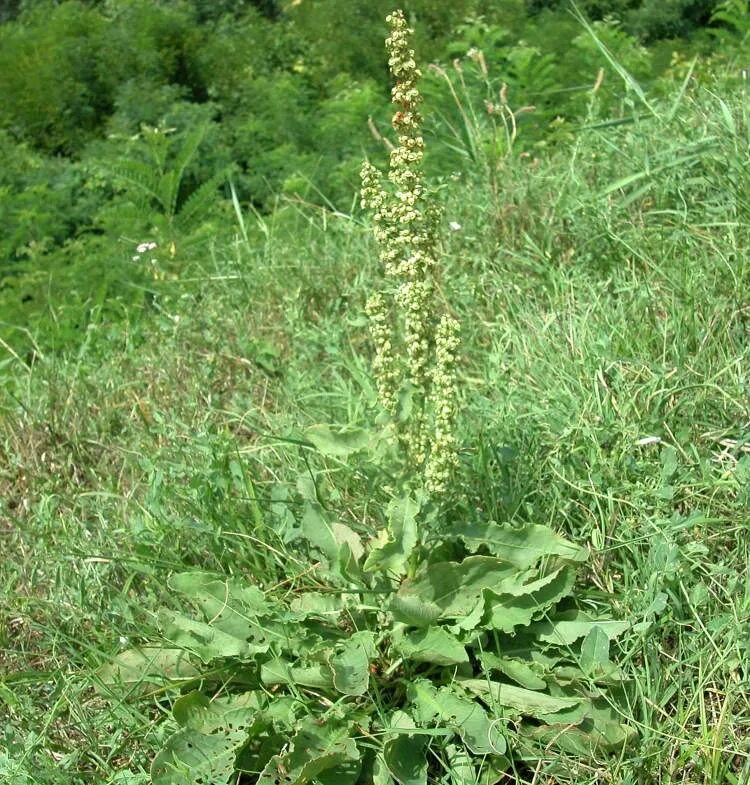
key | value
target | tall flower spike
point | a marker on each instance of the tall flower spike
(410, 356)
(443, 458)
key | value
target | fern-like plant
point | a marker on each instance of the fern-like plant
(154, 182)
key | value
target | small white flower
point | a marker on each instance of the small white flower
(455, 226)
(143, 247)
(123, 640)
(136, 258)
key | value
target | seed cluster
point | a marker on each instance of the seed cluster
(411, 351)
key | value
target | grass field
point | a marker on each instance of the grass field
(602, 292)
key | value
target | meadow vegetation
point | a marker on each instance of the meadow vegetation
(218, 551)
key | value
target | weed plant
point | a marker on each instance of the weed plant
(391, 660)
(604, 394)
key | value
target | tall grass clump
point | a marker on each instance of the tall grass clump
(398, 650)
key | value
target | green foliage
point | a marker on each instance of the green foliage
(286, 91)
(466, 657)
(154, 185)
(604, 316)
(397, 636)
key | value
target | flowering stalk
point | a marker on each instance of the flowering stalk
(412, 354)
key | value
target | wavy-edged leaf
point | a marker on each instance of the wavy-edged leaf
(351, 664)
(318, 532)
(392, 554)
(317, 751)
(567, 630)
(526, 674)
(203, 640)
(521, 546)
(594, 728)
(411, 609)
(481, 733)
(232, 610)
(433, 644)
(453, 587)
(505, 611)
(525, 702)
(404, 754)
(279, 671)
(338, 443)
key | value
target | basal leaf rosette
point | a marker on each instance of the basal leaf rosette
(480, 661)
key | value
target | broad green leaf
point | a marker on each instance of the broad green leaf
(338, 443)
(345, 535)
(404, 755)
(527, 674)
(481, 734)
(380, 773)
(433, 644)
(460, 765)
(453, 587)
(213, 594)
(565, 632)
(147, 666)
(597, 728)
(318, 604)
(198, 712)
(318, 747)
(595, 651)
(413, 610)
(317, 531)
(526, 702)
(202, 639)
(392, 554)
(351, 664)
(205, 749)
(278, 671)
(505, 612)
(522, 547)
(230, 607)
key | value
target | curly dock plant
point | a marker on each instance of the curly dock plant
(415, 346)
(388, 662)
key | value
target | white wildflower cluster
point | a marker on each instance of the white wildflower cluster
(407, 345)
(143, 248)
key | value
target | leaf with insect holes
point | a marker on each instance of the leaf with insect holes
(233, 611)
(521, 546)
(206, 746)
(319, 751)
(481, 733)
(202, 639)
(279, 671)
